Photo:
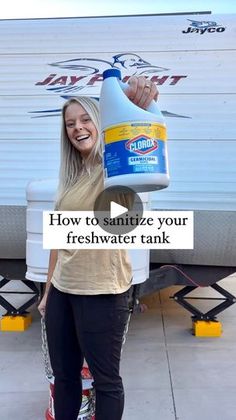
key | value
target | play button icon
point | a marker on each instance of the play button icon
(118, 210)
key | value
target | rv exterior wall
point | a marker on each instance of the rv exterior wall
(191, 58)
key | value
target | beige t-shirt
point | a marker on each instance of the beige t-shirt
(90, 271)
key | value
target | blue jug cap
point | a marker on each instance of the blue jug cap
(112, 73)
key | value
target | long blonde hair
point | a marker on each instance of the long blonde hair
(71, 162)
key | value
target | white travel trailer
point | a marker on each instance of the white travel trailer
(191, 57)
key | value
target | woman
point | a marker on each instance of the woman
(86, 296)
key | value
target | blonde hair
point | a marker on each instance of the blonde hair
(71, 163)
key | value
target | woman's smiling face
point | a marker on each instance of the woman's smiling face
(80, 129)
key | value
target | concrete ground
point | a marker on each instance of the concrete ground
(168, 373)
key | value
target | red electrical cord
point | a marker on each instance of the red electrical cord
(182, 272)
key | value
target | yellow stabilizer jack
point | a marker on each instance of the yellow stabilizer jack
(16, 322)
(207, 328)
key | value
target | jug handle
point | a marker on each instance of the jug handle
(152, 107)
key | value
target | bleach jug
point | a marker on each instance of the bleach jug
(134, 139)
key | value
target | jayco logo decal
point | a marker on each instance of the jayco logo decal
(203, 26)
(141, 145)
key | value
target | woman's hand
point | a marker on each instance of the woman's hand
(42, 304)
(141, 91)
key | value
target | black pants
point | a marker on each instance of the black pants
(92, 327)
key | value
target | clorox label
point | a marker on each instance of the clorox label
(141, 145)
(137, 147)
